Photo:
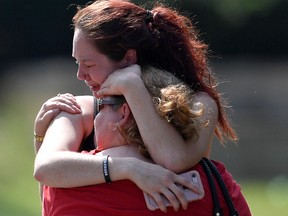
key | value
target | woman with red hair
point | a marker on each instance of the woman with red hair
(110, 37)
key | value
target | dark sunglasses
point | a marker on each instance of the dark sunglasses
(111, 100)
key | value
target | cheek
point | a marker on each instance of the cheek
(100, 72)
(99, 76)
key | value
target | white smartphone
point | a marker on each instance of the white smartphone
(189, 194)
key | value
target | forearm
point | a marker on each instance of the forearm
(165, 145)
(56, 160)
(71, 169)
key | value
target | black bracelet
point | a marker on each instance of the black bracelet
(106, 170)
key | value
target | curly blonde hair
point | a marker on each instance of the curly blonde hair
(173, 101)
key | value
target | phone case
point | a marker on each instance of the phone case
(189, 194)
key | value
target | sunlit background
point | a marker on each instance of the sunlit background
(249, 55)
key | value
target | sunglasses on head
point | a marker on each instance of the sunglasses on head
(111, 100)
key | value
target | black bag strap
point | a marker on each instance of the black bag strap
(210, 170)
(233, 211)
(217, 211)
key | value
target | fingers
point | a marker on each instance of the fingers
(186, 182)
(164, 186)
(119, 81)
(176, 197)
(64, 102)
(160, 202)
(172, 196)
(51, 114)
(174, 193)
(103, 91)
(51, 108)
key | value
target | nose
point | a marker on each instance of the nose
(82, 74)
(79, 74)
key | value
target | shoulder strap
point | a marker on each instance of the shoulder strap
(217, 211)
(210, 170)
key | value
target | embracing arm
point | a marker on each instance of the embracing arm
(57, 165)
(62, 141)
(165, 145)
(71, 169)
(49, 110)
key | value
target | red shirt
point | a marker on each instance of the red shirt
(124, 198)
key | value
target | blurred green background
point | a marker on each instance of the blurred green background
(250, 50)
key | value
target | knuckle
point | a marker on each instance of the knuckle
(44, 106)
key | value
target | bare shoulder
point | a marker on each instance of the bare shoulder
(86, 102)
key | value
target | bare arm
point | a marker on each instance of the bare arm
(164, 143)
(63, 136)
(71, 169)
(56, 165)
(49, 110)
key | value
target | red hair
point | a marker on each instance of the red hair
(162, 38)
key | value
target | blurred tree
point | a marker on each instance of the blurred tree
(237, 12)
(36, 29)
(242, 27)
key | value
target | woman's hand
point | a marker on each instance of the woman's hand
(120, 80)
(51, 108)
(156, 181)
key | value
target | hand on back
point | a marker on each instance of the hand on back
(158, 181)
(51, 108)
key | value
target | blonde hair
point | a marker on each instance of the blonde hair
(173, 102)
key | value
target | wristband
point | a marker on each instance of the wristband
(39, 138)
(106, 170)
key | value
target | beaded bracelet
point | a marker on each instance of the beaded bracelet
(106, 169)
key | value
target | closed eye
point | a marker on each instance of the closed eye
(89, 66)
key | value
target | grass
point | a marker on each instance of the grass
(267, 198)
(19, 191)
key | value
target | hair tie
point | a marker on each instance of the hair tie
(149, 20)
(149, 16)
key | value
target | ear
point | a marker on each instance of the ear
(125, 114)
(130, 57)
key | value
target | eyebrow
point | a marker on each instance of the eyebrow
(83, 59)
